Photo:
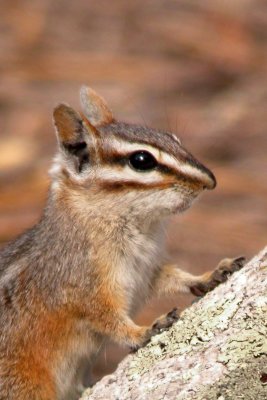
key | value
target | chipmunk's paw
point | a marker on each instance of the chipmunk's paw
(164, 322)
(160, 325)
(224, 269)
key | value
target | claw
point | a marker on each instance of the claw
(162, 324)
(239, 262)
(225, 268)
(173, 315)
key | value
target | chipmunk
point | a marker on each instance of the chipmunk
(96, 255)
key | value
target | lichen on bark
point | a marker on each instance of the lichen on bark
(217, 350)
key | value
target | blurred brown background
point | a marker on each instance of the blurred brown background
(196, 68)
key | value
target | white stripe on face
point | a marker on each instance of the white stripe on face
(127, 174)
(162, 158)
(123, 147)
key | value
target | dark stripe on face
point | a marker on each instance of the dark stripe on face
(137, 133)
(121, 160)
(196, 164)
(161, 140)
(116, 186)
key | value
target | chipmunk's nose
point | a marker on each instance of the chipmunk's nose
(210, 181)
(202, 174)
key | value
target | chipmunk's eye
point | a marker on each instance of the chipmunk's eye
(142, 161)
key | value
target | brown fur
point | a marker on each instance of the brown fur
(95, 108)
(67, 122)
(94, 258)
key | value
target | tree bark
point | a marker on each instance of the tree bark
(217, 350)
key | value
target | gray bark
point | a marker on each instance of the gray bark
(217, 350)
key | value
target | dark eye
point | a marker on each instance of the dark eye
(142, 161)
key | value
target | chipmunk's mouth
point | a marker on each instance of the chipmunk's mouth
(183, 206)
(185, 203)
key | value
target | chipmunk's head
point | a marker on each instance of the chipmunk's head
(123, 168)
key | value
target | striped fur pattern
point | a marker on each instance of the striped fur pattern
(97, 254)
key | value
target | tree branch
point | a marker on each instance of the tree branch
(217, 350)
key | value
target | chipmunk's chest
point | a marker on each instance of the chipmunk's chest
(139, 265)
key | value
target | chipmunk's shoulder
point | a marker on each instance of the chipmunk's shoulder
(15, 249)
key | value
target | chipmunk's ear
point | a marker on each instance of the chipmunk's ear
(95, 108)
(68, 124)
(73, 137)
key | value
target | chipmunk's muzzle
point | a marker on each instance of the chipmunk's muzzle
(208, 179)
(201, 174)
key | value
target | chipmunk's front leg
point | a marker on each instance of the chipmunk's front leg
(108, 309)
(173, 280)
(108, 316)
(211, 279)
